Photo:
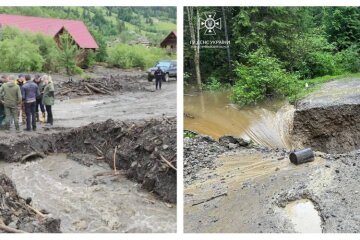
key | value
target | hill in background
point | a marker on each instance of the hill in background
(115, 24)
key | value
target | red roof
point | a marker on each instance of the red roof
(51, 27)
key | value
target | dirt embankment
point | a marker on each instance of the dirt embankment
(235, 188)
(17, 215)
(333, 129)
(329, 119)
(146, 150)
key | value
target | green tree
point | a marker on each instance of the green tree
(68, 55)
(262, 77)
(19, 54)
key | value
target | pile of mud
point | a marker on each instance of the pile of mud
(201, 152)
(145, 150)
(17, 215)
(102, 85)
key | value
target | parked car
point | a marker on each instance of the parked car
(169, 67)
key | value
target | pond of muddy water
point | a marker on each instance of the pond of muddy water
(212, 113)
(304, 216)
(90, 199)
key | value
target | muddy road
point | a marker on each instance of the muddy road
(122, 106)
(231, 186)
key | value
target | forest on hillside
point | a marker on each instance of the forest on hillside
(273, 51)
(113, 23)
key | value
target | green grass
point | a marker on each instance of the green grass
(316, 83)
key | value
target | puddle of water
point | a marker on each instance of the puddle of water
(304, 216)
(109, 204)
(214, 115)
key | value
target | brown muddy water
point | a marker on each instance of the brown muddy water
(86, 202)
(213, 114)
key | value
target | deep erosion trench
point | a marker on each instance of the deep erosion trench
(333, 129)
(144, 151)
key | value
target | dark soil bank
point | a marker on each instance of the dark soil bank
(145, 150)
(328, 120)
(16, 213)
(334, 129)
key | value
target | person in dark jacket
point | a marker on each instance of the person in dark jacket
(20, 81)
(3, 80)
(30, 92)
(159, 75)
(39, 103)
(11, 98)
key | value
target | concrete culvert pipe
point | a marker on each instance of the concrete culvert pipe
(302, 156)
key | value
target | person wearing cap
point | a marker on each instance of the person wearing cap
(29, 92)
(11, 95)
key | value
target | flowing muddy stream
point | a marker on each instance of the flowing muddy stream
(212, 113)
(87, 200)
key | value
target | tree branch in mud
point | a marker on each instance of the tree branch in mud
(9, 229)
(32, 155)
(167, 162)
(114, 161)
(99, 151)
(95, 89)
(36, 211)
(209, 199)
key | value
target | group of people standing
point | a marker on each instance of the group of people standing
(26, 94)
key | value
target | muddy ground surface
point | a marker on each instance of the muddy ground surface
(231, 188)
(136, 100)
(328, 120)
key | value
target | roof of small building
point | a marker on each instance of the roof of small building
(51, 27)
(167, 37)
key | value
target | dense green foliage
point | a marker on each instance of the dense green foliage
(132, 56)
(262, 77)
(299, 43)
(22, 51)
